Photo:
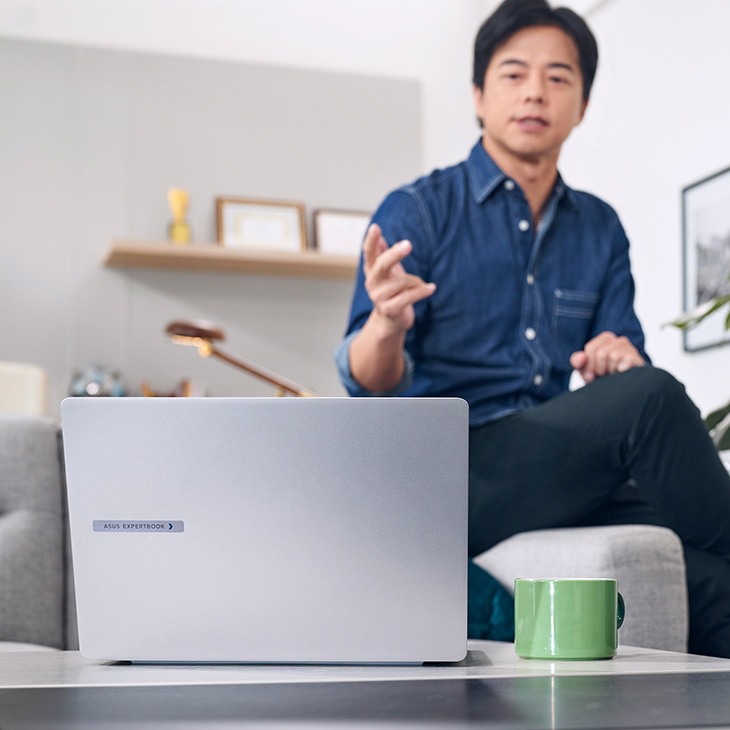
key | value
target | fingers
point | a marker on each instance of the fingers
(605, 354)
(391, 289)
(578, 360)
(393, 302)
(379, 259)
(373, 246)
(394, 306)
(389, 261)
(393, 285)
(626, 363)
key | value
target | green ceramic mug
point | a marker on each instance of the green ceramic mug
(567, 618)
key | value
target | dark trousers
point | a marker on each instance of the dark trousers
(628, 448)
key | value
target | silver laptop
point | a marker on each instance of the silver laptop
(290, 530)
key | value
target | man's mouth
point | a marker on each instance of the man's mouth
(535, 122)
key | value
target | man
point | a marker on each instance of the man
(499, 281)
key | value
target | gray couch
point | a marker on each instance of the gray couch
(36, 585)
(36, 592)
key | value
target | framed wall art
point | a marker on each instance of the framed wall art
(261, 225)
(340, 232)
(706, 250)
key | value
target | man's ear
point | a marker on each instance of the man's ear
(478, 98)
(582, 113)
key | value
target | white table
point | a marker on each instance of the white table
(638, 688)
(485, 660)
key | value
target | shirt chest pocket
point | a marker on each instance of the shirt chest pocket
(573, 312)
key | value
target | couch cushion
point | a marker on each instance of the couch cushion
(19, 646)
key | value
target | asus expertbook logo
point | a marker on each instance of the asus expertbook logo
(139, 526)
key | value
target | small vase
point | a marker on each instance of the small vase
(179, 232)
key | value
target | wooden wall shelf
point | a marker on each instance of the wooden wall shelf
(216, 258)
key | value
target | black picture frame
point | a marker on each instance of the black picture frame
(706, 255)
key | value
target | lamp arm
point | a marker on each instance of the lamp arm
(258, 372)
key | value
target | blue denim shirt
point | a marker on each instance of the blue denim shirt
(512, 302)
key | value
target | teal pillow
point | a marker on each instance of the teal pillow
(491, 609)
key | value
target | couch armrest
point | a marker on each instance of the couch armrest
(648, 562)
(31, 532)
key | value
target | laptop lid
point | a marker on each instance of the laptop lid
(268, 529)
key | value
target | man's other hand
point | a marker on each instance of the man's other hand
(392, 290)
(605, 354)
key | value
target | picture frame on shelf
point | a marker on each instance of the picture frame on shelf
(706, 255)
(340, 232)
(261, 225)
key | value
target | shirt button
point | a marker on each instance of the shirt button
(530, 333)
(509, 185)
(530, 279)
(524, 225)
(537, 379)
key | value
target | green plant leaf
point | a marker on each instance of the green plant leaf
(721, 434)
(692, 318)
(712, 419)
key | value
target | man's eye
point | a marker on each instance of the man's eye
(559, 80)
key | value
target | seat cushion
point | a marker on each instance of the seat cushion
(19, 646)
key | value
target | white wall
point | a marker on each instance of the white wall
(658, 121)
(427, 41)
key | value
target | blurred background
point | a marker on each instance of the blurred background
(106, 104)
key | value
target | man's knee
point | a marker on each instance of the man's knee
(640, 388)
(650, 381)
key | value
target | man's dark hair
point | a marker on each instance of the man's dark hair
(515, 15)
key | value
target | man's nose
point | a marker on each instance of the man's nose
(535, 88)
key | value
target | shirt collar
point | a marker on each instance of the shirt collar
(485, 177)
(563, 191)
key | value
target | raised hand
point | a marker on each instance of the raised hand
(391, 289)
(376, 354)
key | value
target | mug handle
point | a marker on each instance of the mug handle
(621, 611)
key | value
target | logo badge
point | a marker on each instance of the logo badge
(139, 526)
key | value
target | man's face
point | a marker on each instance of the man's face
(533, 94)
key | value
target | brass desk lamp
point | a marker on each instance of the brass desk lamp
(203, 334)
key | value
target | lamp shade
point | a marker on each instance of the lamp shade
(196, 328)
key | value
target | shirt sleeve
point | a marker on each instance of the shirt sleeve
(615, 312)
(342, 360)
(401, 216)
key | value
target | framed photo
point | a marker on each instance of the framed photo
(340, 232)
(261, 225)
(706, 243)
